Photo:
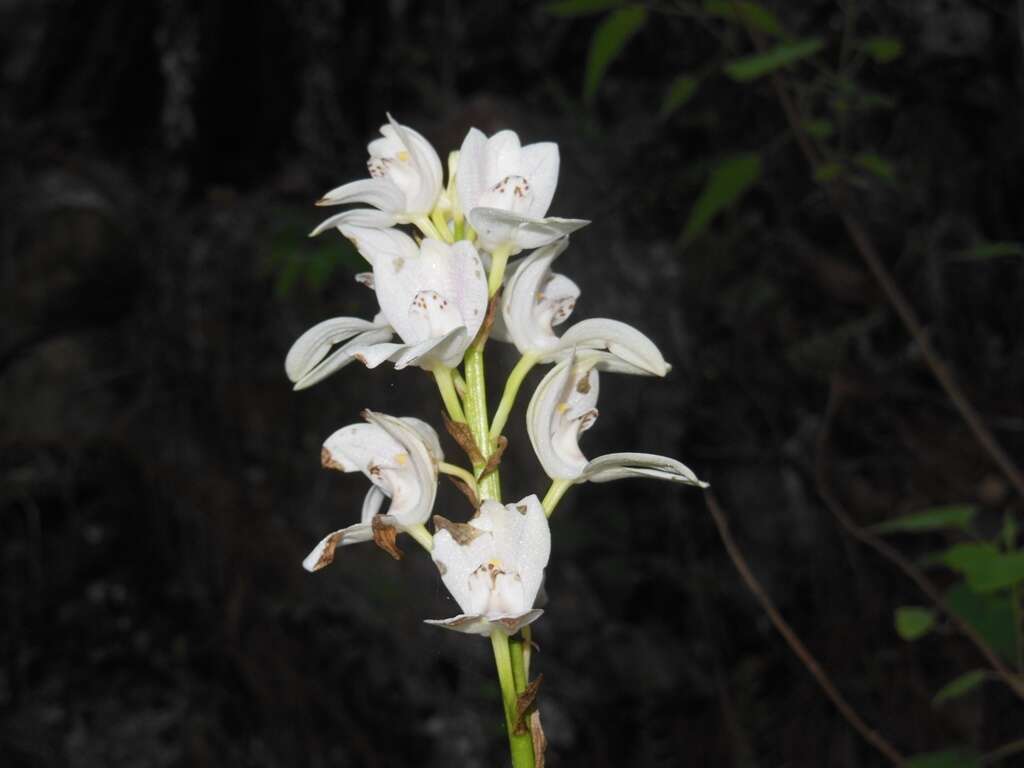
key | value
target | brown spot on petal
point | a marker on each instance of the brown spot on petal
(583, 385)
(361, 358)
(522, 508)
(385, 536)
(327, 460)
(327, 556)
(399, 263)
(441, 567)
(463, 533)
(525, 703)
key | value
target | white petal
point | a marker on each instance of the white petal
(563, 407)
(323, 553)
(446, 351)
(622, 340)
(539, 164)
(380, 193)
(497, 228)
(502, 157)
(535, 299)
(313, 345)
(615, 466)
(428, 166)
(344, 355)
(415, 480)
(372, 355)
(428, 435)
(478, 625)
(358, 217)
(372, 503)
(470, 182)
(526, 542)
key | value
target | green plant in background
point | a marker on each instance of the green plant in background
(821, 94)
(441, 294)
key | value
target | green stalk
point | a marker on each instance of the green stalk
(521, 745)
(476, 417)
(508, 397)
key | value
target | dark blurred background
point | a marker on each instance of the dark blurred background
(160, 481)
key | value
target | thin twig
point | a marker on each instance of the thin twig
(866, 247)
(845, 709)
(1001, 753)
(892, 554)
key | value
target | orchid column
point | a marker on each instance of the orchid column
(444, 290)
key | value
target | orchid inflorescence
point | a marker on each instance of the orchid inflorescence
(444, 292)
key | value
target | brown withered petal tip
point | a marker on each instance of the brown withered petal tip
(385, 537)
(328, 461)
(463, 533)
(327, 556)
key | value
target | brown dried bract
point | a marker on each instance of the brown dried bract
(328, 461)
(461, 434)
(583, 385)
(495, 458)
(525, 703)
(540, 741)
(485, 328)
(463, 486)
(385, 536)
(463, 533)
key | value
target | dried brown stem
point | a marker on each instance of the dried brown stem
(869, 253)
(872, 736)
(893, 555)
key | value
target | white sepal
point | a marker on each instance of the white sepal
(616, 466)
(310, 359)
(619, 339)
(498, 228)
(535, 300)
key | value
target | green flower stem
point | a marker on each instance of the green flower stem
(508, 396)
(476, 417)
(554, 495)
(422, 536)
(521, 745)
(426, 226)
(437, 217)
(518, 663)
(443, 377)
(527, 650)
(499, 258)
(456, 471)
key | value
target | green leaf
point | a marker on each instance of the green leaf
(729, 180)
(986, 568)
(752, 67)
(961, 685)
(819, 129)
(937, 518)
(609, 39)
(573, 8)
(948, 758)
(913, 622)
(828, 172)
(883, 49)
(991, 615)
(679, 93)
(876, 164)
(984, 251)
(749, 14)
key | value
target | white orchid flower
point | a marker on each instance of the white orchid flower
(434, 296)
(494, 566)
(564, 406)
(536, 299)
(400, 457)
(315, 355)
(505, 190)
(405, 182)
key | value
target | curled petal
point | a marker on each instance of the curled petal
(621, 340)
(428, 435)
(497, 228)
(563, 407)
(313, 345)
(323, 553)
(479, 625)
(615, 466)
(358, 217)
(381, 193)
(535, 299)
(427, 165)
(342, 356)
